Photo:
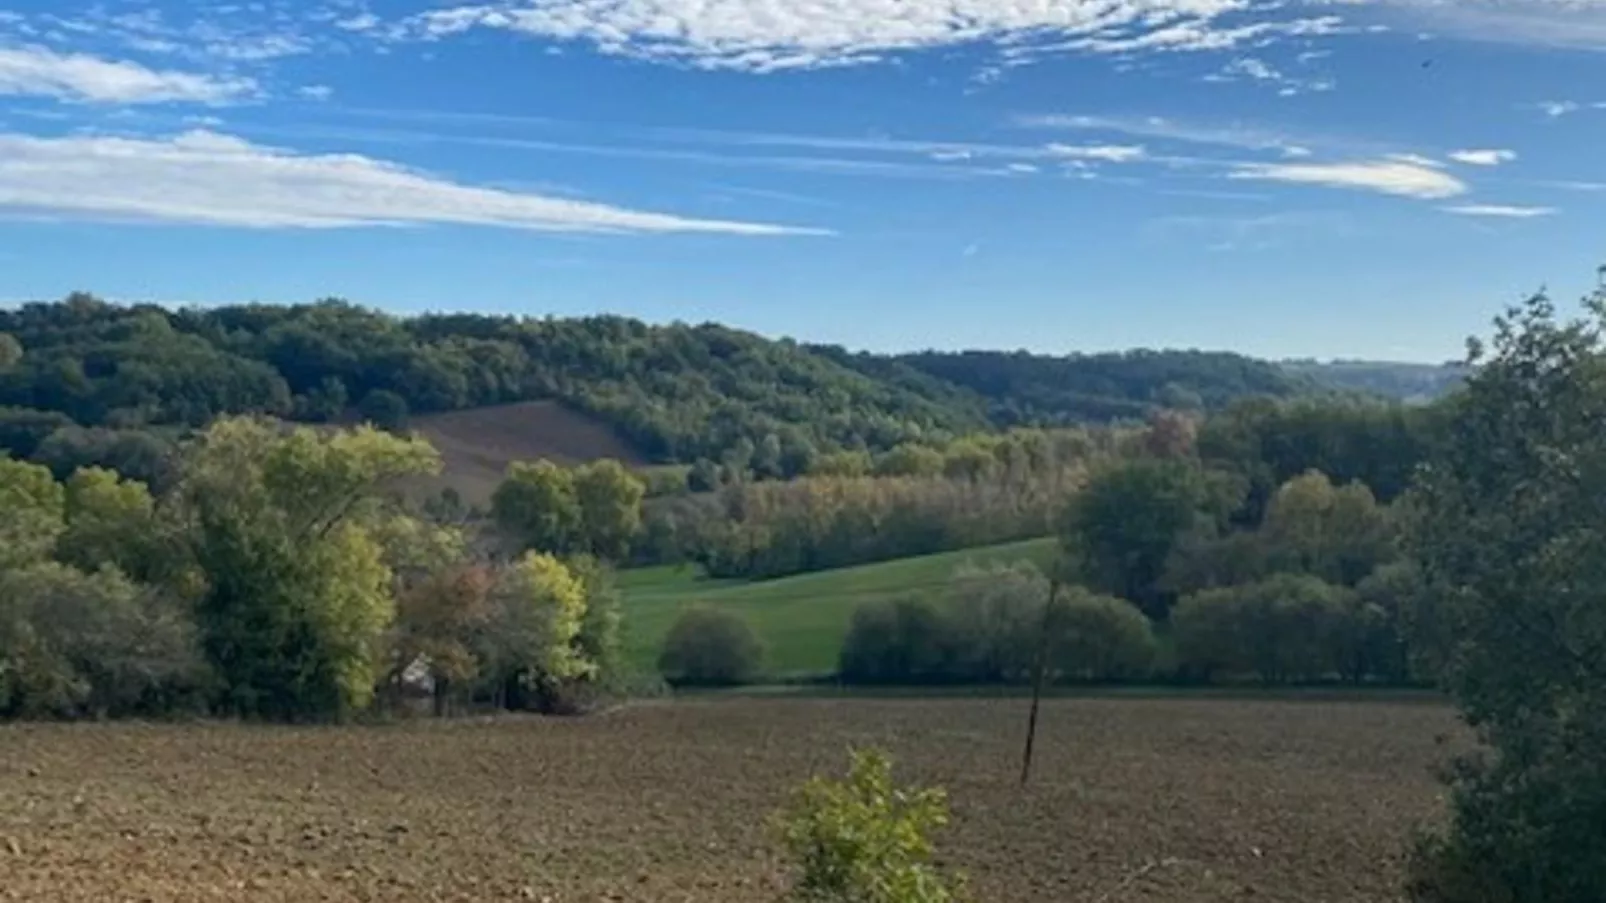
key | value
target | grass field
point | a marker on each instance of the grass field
(801, 619)
(1135, 800)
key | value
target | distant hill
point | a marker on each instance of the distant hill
(1400, 381)
(651, 393)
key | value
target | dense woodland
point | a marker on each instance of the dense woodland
(87, 382)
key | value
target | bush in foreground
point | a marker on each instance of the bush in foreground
(711, 648)
(866, 840)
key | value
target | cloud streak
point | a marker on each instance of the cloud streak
(206, 178)
(35, 71)
(1500, 211)
(1483, 157)
(1235, 137)
(1390, 176)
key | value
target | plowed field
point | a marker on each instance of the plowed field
(1136, 800)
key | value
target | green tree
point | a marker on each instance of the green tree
(1288, 627)
(708, 647)
(910, 460)
(866, 839)
(295, 598)
(1339, 534)
(1098, 638)
(1120, 530)
(906, 641)
(110, 521)
(846, 463)
(385, 409)
(609, 498)
(968, 459)
(1509, 533)
(537, 503)
(599, 639)
(32, 513)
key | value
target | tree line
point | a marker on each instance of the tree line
(279, 576)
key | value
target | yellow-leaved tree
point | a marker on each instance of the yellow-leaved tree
(532, 649)
(296, 597)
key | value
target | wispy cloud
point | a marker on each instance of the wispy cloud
(42, 72)
(1548, 23)
(1256, 70)
(771, 35)
(1483, 157)
(203, 177)
(1248, 233)
(1556, 109)
(1500, 211)
(1106, 153)
(868, 154)
(1234, 136)
(1394, 177)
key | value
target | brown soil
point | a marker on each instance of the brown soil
(1138, 801)
(477, 445)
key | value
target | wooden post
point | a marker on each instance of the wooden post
(1039, 671)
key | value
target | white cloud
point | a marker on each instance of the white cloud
(364, 21)
(1256, 69)
(1022, 168)
(1395, 177)
(1416, 160)
(768, 35)
(1556, 109)
(316, 92)
(1106, 153)
(203, 177)
(1500, 211)
(1483, 157)
(41, 72)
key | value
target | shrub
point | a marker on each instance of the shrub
(707, 647)
(1099, 638)
(74, 644)
(866, 840)
(997, 614)
(903, 641)
(990, 629)
(1285, 628)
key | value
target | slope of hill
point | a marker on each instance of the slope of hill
(477, 445)
(802, 619)
(1399, 381)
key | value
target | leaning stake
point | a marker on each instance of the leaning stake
(1039, 669)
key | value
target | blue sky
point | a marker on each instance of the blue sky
(1281, 177)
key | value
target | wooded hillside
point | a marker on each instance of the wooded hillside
(676, 393)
